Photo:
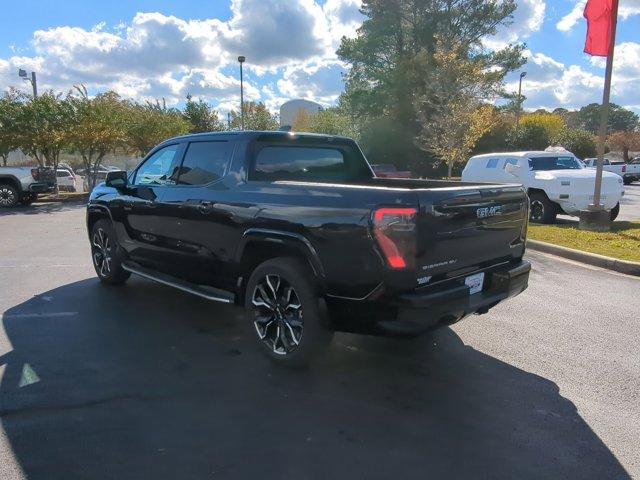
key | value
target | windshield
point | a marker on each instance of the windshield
(555, 163)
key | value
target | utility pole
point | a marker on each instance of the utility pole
(604, 112)
(241, 60)
(522, 75)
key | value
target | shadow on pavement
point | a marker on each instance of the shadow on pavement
(144, 382)
(44, 207)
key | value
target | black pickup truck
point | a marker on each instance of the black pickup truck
(298, 229)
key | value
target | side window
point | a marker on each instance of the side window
(512, 161)
(492, 163)
(204, 162)
(159, 168)
(299, 163)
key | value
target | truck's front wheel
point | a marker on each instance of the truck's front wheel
(283, 310)
(542, 210)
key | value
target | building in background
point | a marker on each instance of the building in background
(289, 110)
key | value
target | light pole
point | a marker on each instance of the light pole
(34, 83)
(522, 75)
(241, 60)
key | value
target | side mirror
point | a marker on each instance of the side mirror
(116, 179)
(512, 169)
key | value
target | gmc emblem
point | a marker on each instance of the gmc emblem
(485, 212)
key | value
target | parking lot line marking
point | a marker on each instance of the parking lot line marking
(39, 315)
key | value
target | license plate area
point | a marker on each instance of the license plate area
(475, 282)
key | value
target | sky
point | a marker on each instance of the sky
(147, 49)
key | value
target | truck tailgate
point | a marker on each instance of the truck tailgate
(461, 229)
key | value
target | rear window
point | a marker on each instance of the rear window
(308, 163)
(204, 162)
(554, 163)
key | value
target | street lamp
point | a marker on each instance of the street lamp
(241, 60)
(522, 75)
(34, 84)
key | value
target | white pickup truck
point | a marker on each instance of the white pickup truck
(556, 182)
(23, 184)
(630, 172)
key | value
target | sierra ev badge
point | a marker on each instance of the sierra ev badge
(485, 212)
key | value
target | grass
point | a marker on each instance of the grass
(623, 241)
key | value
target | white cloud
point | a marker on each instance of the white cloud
(626, 9)
(527, 19)
(156, 55)
(318, 81)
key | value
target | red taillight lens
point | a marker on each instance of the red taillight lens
(624, 168)
(35, 174)
(395, 231)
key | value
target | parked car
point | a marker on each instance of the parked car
(629, 172)
(388, 170)
(101, 174)
(66, 180)
(297, 228)
(556, 182)
(23, 184)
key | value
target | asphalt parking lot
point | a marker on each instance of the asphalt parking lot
(142, 381)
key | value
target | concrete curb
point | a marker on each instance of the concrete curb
(621, 266)
(82, 197)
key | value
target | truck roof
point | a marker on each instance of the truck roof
(530, 153)
(256, 134)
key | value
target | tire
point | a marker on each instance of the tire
(9, 195)
(106, 254)
(28, 198)
(615, 211)
(627, 180)
(284, 313)
(542, 210)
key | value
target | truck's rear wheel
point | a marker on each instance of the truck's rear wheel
(542, 210)
(28, 198)
(9, 196)
(283, 310)
(105, 255)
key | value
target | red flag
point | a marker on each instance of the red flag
(599, 15)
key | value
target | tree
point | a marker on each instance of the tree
(532, 136)
(9, 106)
(620, 119)
(42, 125)
(391, 58)
(330, 121)
(580, 142)
(452, 136)
(201, 116)
(256, 117)
(149, 124)
(553, 123)
(97, 127)
(624, 141)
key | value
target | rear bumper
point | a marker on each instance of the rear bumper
(418, 312)
(39, 187)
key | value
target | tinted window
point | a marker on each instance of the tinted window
(554, 163)
(492, 162)
(204, 162)
(159, 167)
(512, 161)
(300, 163)
(62, 173)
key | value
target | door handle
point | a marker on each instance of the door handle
(205, 206)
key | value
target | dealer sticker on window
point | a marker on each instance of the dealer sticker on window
(474, 282)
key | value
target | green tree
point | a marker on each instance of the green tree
(97, 128)
(9, 106)
(201, 116)
(256, 117)
(392, 57)
(553, 123)
(330, 121)
(580, 142)
(148, 124)
(532, 136)
(42, 126)
(620, 119)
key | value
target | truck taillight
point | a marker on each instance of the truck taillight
(624, 168)
(395, 231)
(35, 174)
